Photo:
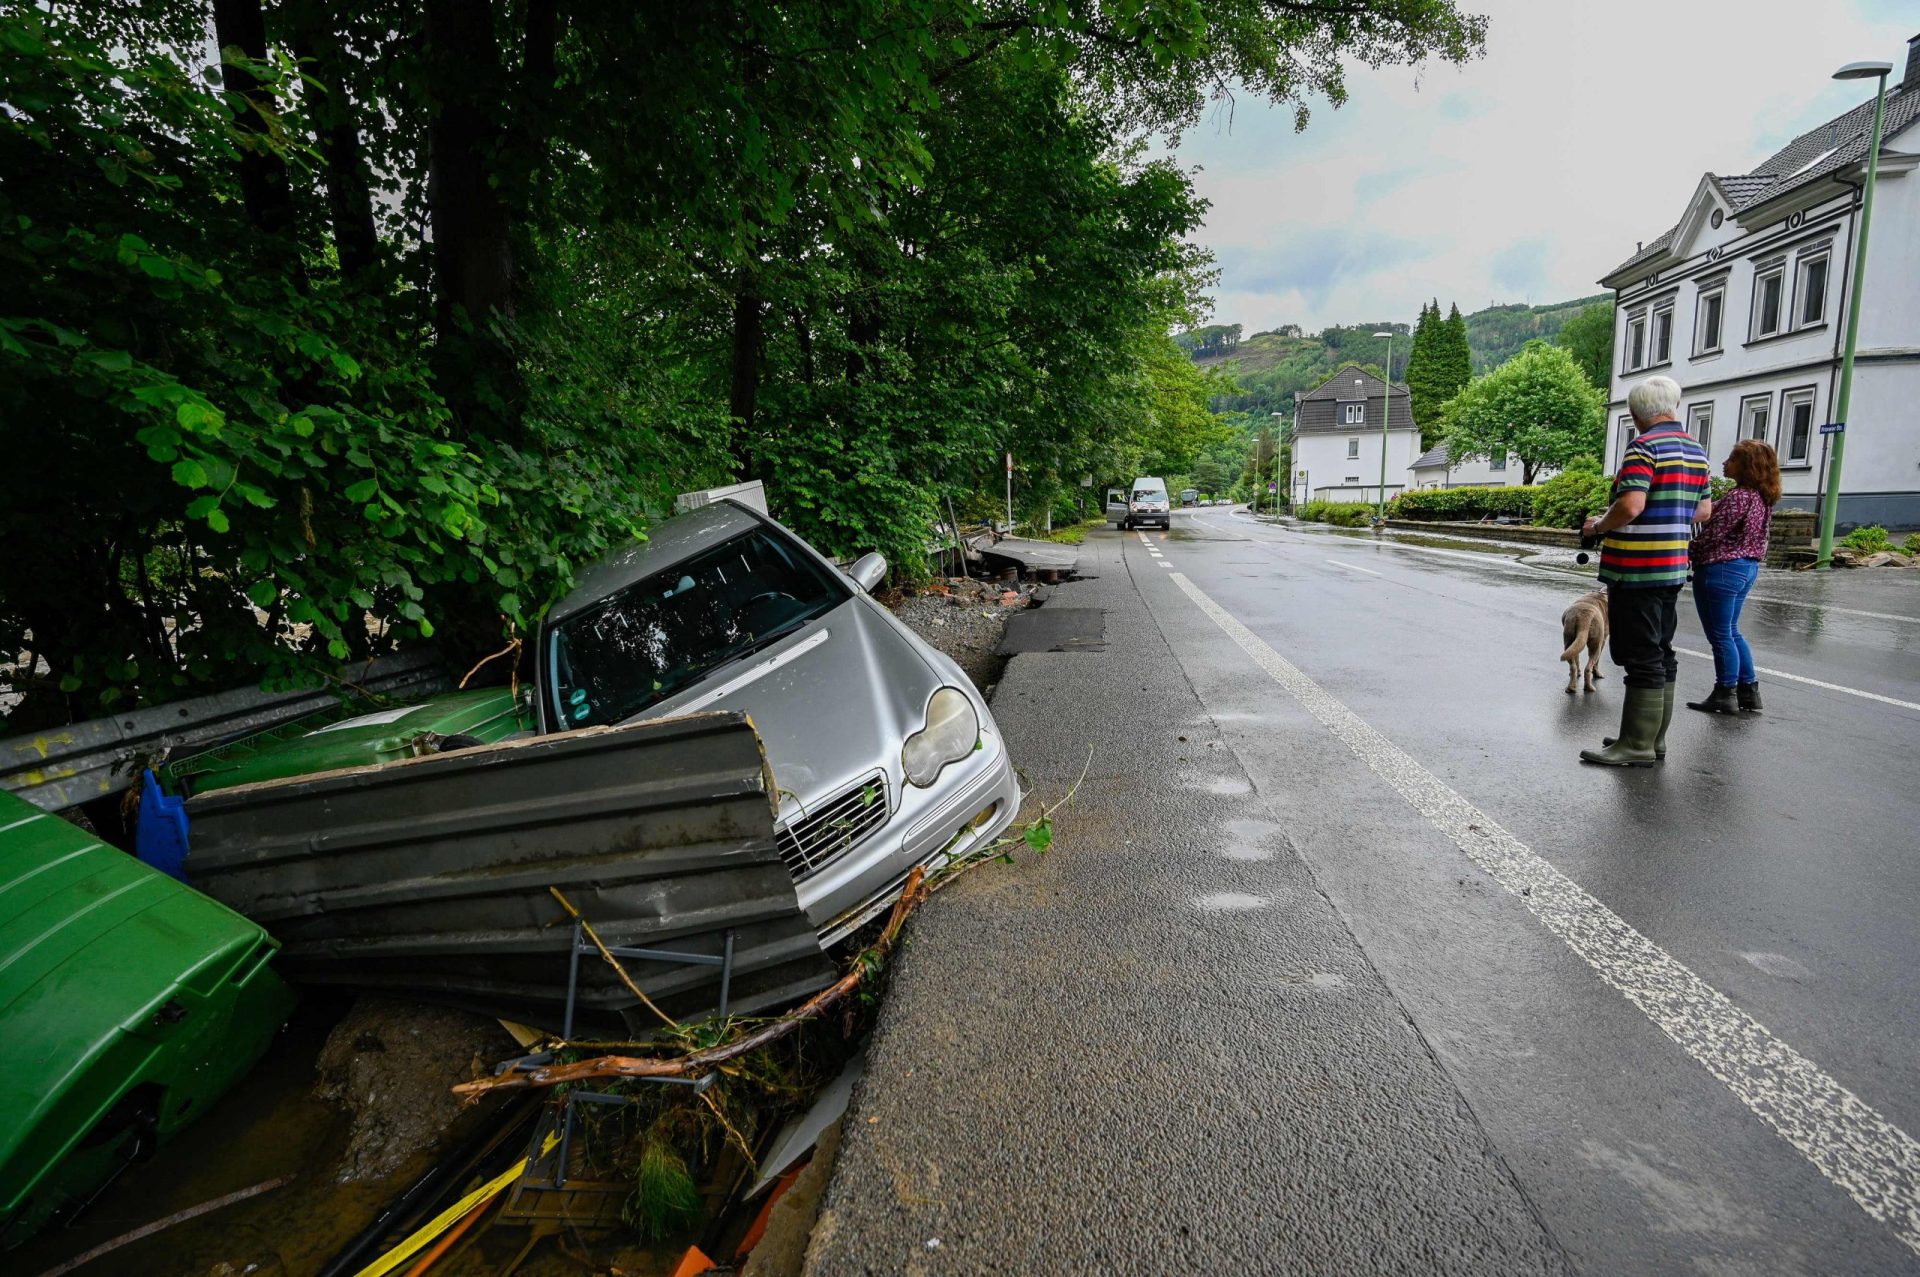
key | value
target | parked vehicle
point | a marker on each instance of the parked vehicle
(1190, 496)
(1145, 505)
(885, 755)
(128, 1004)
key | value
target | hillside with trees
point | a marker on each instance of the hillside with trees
(1270, 366)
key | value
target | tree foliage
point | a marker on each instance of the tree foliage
(1538, 406)
(378, 322)
(1588, 337)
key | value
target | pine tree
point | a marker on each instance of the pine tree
(1422, 367)
(1456, 356)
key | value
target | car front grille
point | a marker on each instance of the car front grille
(819, 837)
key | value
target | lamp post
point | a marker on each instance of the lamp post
(1277, 441)
(1830, 504)
(1386, 415)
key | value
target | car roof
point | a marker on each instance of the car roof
(1145, 480)
(672, 541)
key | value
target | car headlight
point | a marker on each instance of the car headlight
(952, 731)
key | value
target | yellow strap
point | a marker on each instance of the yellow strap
(450, 1216)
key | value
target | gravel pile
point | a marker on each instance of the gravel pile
(964, 619)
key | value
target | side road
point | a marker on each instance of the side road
(1157, 1048)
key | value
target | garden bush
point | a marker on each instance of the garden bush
(1342, 514)
(1912, 544)
(1566, 500)
(1868, 540)
(1463, 504)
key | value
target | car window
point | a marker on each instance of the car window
(1149, 494)
(669, 630)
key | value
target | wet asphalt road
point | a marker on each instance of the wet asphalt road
(1260, 1010)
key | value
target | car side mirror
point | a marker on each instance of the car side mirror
(868, 571)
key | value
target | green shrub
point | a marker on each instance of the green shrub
(1868, 540)
(1463, 504)
(1342, 514)
(1912, 544)
(1566, 500)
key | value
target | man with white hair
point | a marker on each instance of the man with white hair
(1657, 495)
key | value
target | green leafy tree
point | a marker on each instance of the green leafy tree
(1588, 337)
(1538, 406)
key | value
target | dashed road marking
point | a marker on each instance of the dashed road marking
(1355, 567)
(1814, 682)
(1847, 1140)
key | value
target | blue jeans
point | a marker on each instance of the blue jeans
(1719, 592)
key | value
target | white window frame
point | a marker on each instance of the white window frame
(1628, 433)
(1353, 449)
(1356, 414)
(1717, 293)
(1662, 318)
(1775, 270)
(1797, 397)
(1760, 406)
(1821, 255)
(1634, 346)
(1700, 424)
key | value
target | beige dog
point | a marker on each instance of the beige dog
(1584, 625)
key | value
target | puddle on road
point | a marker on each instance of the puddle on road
(1229, 902)
(1327, 980)
(1221, 786)
(1249, 839)
(1779, 965)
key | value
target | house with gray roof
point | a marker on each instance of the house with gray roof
(1744, 300)
(1435, 468)
(1338, 440)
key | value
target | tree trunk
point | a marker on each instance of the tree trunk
(748, 320)
(1527, 469)
(239, 24)
(349, 193)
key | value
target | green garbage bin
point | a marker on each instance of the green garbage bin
(128, 1003)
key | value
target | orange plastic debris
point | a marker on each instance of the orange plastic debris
(693, 1263)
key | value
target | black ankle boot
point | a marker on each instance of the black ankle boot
(1749, 694)
(1719, 701)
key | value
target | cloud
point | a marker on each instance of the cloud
(1528, 173)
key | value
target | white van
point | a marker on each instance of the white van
(1144, 505)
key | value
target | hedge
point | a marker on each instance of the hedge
(1463, 504)
(1343, 514)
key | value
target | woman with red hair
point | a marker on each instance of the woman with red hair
(1727, 555)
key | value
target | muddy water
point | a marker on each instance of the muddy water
(268, 1126)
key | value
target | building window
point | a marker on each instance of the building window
(1663, 334)
(1767, 286)
(1628, 433)
(1636, 342)
(1810, 289)
(1706, 327)
(1700, 425)
(1353, 449)
(1796, 426)
(1356, 414)
(1497, 461)
(1756, 418)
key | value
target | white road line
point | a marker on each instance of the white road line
(1872, 1160)
(1814, 682)
(1355, 567)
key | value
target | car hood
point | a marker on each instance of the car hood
(832, 702)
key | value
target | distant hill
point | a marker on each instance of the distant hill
(1272, 365)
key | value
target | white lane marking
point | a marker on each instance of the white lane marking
(1355, 567)
(1814, 682)
(1872, 1160)
(1165, 564)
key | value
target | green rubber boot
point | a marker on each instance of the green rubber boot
(1666, 718)
(1641, 720)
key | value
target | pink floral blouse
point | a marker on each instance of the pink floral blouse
(1737, 530)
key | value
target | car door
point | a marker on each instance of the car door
(1117, 505)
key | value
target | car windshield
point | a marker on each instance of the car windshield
(669, 630)
(1149, 494)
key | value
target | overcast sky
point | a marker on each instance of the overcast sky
(1523, 176)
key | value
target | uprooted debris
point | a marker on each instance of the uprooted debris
(965, 618)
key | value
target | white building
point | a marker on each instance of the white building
(1434, 469)
(1744, 303)
(1337, 438)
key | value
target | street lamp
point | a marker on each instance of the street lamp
(1276, 466)
(1386, 414)
(1831, 503)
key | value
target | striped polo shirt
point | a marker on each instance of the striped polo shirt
(1671, 468)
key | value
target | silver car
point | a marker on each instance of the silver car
(884, 754)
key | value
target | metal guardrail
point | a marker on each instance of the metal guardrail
(62, 767)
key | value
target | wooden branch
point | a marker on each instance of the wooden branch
(619, 1066)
